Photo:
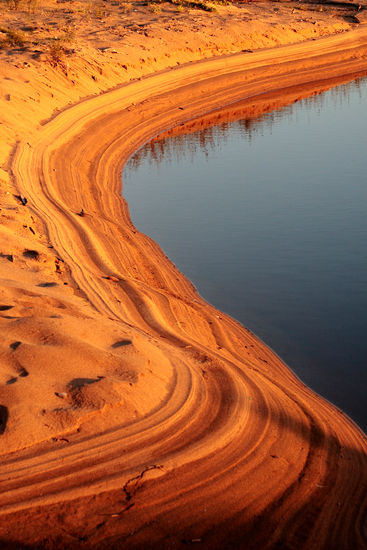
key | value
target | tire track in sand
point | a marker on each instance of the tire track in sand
(239, 454)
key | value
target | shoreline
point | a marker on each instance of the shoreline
(211, 437)
(250, 111)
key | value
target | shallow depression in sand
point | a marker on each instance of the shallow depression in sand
(267, 217)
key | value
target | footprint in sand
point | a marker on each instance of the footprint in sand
(9, 257)
(77, 383)
(21, 199)
(15, 345)
(4, 414)
(121, 343)
(23, 373)
(31, 254)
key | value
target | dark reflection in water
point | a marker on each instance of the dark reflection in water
(267, 217)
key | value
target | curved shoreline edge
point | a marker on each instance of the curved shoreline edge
(237, 452)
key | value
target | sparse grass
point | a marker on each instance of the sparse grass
(155, 8)
(196, 4)
(69, 36)
(46, 30)
(32, 6)
(126, 7)
(12, 38)
(58, 48)
(13, 4)
(99, 12)
(56, 54)
(27, 5)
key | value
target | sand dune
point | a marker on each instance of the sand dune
(167, 423)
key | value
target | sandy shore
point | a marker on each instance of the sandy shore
(134, 414)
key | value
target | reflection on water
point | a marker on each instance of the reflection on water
(179, 144)
(267, 217)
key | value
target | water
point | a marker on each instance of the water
(268, 220)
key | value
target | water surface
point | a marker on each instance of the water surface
(268, 219)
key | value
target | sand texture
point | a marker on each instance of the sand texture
(134, 414)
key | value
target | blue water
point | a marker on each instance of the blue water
(268, 219)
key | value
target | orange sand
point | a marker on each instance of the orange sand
(133, 413)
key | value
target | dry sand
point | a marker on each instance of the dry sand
(133, 414)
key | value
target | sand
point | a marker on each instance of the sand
(134, 414)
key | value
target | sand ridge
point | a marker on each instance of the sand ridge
(167, 423)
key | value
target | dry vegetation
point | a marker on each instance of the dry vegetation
(52, 30)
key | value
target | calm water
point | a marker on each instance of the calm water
(268, 219)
